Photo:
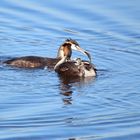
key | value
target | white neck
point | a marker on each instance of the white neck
(60, 52)
(60, 62)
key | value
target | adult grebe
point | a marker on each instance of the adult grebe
(75, 68)
(38, 62)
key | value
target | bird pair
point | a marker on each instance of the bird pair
(62, 64)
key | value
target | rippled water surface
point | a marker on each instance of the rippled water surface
(37, 104)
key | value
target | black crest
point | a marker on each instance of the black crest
(72, 41)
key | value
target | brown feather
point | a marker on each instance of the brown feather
(32, 62)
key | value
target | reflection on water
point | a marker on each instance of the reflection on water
(38, 104)
(66, 85)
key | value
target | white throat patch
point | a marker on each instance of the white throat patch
(73, 46)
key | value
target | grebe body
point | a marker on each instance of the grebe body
(38, 62)
(75, 68)
(32, 62)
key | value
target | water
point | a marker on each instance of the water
(37, 104)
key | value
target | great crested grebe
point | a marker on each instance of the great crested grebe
(75, 68)
(38, 62)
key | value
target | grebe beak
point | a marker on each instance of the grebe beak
(77, 47)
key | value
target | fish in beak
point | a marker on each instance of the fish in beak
(77, 47)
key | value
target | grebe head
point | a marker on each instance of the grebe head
(67, 46)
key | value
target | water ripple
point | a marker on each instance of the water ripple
(38, 104)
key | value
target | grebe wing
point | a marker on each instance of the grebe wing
(68, 69)
(32, 62)
(26, 62)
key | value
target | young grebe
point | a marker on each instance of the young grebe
(75, 68)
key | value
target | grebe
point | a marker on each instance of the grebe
(38, 62)
(75, 68)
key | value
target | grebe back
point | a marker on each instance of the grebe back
(75, 68)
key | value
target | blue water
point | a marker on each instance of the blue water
(37, 104)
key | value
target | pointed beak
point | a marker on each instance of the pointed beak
(89, 56)
(77, 47)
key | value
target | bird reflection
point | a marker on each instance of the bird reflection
(66, 92)
(72, 139)
(67, 84)
(67, 97)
